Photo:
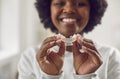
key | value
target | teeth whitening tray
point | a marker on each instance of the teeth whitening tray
(69, 41)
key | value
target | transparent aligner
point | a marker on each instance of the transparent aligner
(73, 38)
(69, 41)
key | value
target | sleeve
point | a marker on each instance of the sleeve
(28, 67)
(114, 65)
(87, 76)
(25, 66)
(43, 75)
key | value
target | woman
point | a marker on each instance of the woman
(70, 17)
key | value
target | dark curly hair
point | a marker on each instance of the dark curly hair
(97, 11)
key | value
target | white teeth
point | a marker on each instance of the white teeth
(68, 20)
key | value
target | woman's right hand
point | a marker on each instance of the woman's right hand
(51, 62)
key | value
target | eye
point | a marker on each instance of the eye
(80, 4)
(59, 4)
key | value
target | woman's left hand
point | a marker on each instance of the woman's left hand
(89, 60)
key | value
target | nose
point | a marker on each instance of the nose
(69, 8)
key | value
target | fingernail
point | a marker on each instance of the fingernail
(58, 41)
(52, 42)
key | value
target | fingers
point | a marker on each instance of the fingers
(89, 44)
(96, 58)
(83, 42)
(88, 48)
(90, 51)
(49, 43)
(50, 39)
(86, 42)
(45, 49)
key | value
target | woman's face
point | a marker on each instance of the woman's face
(70, 16)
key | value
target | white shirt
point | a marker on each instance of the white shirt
(110, 69)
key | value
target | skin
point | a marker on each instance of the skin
(84, 63)
(63, 9)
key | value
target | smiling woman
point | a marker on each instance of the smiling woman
(84, 58)
(96, 13)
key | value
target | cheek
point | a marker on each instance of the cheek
(51, 14)
(85, 16)
(85, 12)
(54, 15)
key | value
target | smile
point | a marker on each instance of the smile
(68, 20)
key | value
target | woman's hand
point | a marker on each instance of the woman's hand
(89, 60)
(51, 62)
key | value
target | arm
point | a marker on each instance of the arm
(25, 66)
(114, 65)
(49, 61)
(28, 67)
(86, 62)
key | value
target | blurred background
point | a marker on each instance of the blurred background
(20, 28)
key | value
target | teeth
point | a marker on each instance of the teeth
(69, 20)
